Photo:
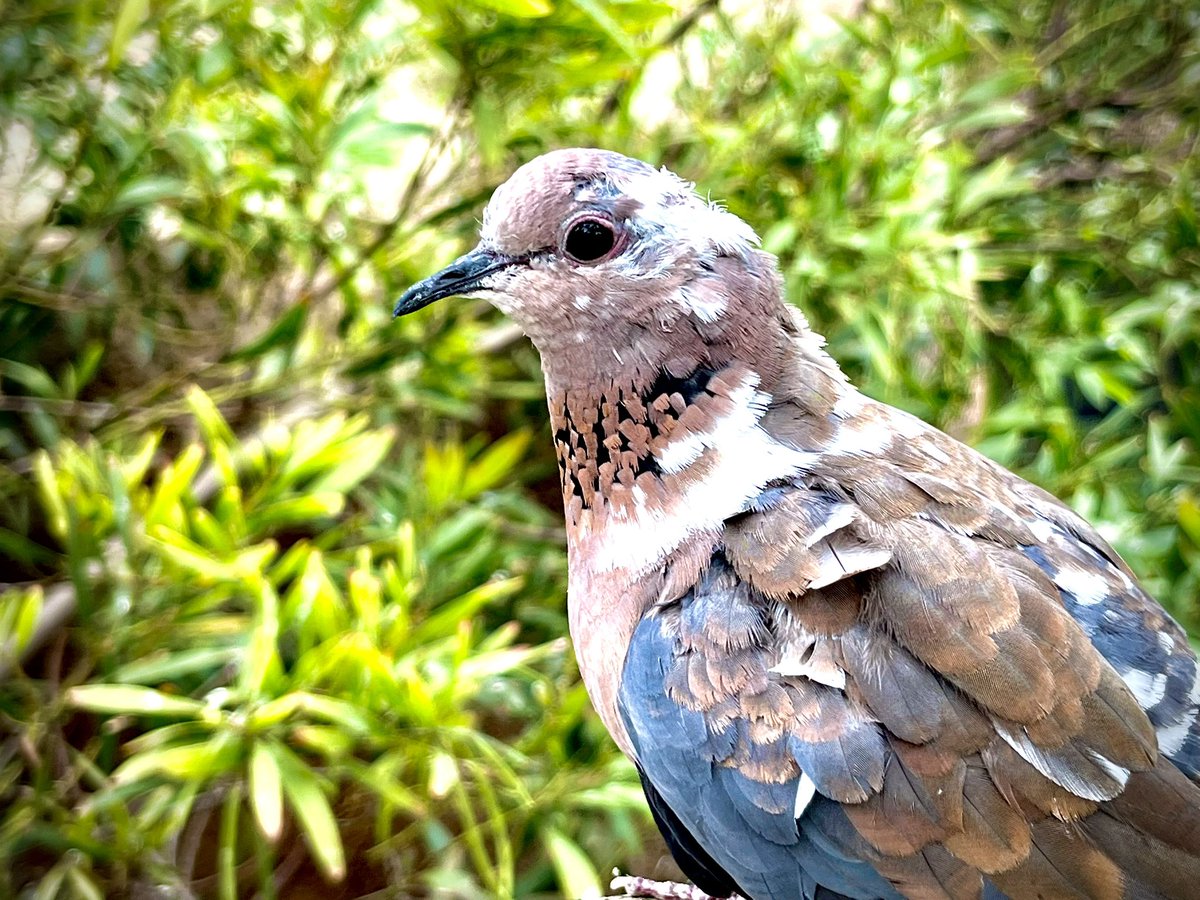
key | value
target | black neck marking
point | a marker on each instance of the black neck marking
(612, 426)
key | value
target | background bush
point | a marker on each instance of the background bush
(282, 608)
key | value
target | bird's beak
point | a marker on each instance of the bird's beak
(463, 276)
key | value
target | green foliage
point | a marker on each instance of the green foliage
(269, 640)
(282, 604)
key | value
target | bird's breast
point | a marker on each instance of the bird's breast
(605, 605)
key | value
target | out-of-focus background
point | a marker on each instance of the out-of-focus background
(281, 611)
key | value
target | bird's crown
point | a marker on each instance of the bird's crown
(535, 210)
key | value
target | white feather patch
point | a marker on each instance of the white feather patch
(850, 403)
(811, 657)
(1043, 530)
(841, 556)
(742, 459)
(1147, 688)
(840, 515)
(1061, 773)
(1171, 737)
(1089, 588)
(805, 791)
(707, 306)
(1117, 773)
(749, 405)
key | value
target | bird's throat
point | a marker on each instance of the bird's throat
(617, 440)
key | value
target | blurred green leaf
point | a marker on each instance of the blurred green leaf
(202, 760)
(266, 791)
(304, 795)
(130, 16)
(519, 8)
(577, 876)
(150, 189)
(127, 698)
(165, 666)
(261, 657)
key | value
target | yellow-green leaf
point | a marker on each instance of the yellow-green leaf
(187, 761)
(131, 14)
(28, 613)
(262, 653)
(577, 877)
(131, 699)
(523, 9)
(360, 457)
(266, 791)
(51, 493)
(208, 417)
(304, 795)
(495, 464)
(443, 775)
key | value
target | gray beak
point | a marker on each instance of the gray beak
(463, 276)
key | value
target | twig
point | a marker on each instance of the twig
(388, 230)
(613, 101)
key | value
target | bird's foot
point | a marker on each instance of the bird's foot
(637, 886)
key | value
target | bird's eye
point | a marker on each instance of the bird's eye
(589, 240)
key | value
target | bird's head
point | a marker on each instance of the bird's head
(594, 254)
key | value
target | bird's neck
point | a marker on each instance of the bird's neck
(652, 467)
(650, 456)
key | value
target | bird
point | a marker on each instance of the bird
(849, 656)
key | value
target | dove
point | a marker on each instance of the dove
(849, 655)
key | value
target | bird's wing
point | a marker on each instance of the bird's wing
(696, 696)
(897, 680)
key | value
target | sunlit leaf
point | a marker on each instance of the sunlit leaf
(208, 417)
(577, 876)
(130, 15)
(359, 459)
(201, 760)
(464, 607)
(443, 775)
(496, 463)
(262, 653)
(51, 494)
(191, 557)
(28, 614)
(133, 699)
(175, 479)
(519, 8)
(266, 791)
(308, 801)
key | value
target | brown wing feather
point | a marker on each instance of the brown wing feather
(1012, 750)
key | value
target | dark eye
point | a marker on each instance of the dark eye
(590, 240)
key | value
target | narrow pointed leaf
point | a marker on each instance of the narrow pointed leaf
(266, 791)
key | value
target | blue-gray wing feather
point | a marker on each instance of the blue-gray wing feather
(746, 827)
